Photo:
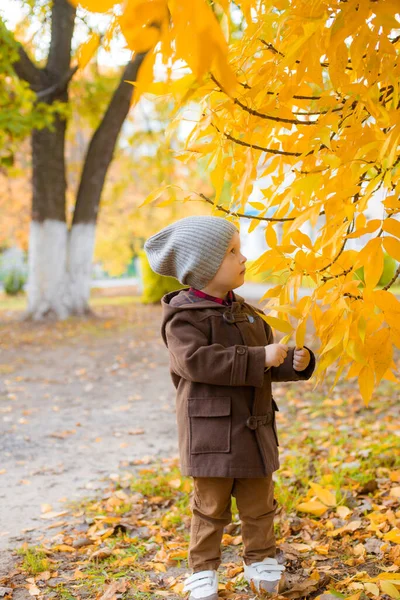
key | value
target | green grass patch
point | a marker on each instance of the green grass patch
(35, 561)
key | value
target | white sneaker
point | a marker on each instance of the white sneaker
(266, 576)
(202, 585)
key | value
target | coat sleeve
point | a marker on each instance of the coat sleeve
(194, 359)
(286, 371)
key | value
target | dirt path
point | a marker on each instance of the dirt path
(78, 402)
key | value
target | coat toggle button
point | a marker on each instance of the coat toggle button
(241, 350)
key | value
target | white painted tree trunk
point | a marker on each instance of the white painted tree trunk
(60, 266)
(79, 266)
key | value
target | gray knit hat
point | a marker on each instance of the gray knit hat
(191, 249)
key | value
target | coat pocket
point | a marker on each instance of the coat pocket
(210, 424)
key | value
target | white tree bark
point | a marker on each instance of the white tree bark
(79, 266)
(60, 266)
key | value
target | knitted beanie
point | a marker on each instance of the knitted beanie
(190, 249)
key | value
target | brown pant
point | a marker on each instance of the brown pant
(211, 512)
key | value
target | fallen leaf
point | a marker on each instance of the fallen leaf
(54, 514)
(393, 536)
(116, 587)
(300, 547)
(323, 494)
(395, 491)
(313, 506)
(388, 588)
(343, 511)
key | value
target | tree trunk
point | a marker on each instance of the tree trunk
(98, 159)
(48, 240)
(60, 260)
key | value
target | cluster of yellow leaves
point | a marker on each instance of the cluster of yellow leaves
(312, 113)
(318, 103)
(175, 30)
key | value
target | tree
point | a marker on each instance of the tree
(313, 112)
(60, 258)
(20, 112)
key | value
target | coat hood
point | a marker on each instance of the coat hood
(178, 300)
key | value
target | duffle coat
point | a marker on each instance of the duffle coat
(224, 405)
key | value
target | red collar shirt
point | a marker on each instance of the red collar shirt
(227, 302)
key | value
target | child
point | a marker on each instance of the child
(222, 362)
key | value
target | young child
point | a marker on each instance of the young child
(222, 361)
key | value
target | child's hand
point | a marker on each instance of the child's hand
(301, 359)
(275, 354)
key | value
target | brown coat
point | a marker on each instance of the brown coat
(217, 361)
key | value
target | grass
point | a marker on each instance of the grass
(34, 560)
(19, 302)
(313, 449)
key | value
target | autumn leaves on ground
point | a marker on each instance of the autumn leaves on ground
(338, 489)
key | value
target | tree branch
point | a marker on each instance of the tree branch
(59, 86)
(24, 67)
(255, 146)
(256, 113)
(236, 214)
(392, 281)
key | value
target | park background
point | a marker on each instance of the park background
(93, 505)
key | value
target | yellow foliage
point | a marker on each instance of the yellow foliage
(315, 95)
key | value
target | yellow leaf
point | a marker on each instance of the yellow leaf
(270, 236)
(145, 76)
(323, 494)
(371, 226)
(343, 511)
(392, 247)
(95, 5)
(393, 536)
(392, 577)
(301, 239)
(156, 194)
(257, 205)
(300, 333)
(278, 324)
(391, 226)
(313, 507)
(63, 548)
(366, 383)
(87, 50)
(372, 588)
(286, 338)
(373, 265)
(395, 475)
(389, 589)
(139, 38)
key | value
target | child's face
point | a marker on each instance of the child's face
(230, 274)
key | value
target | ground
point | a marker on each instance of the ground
(90, 475)
(78, 402)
